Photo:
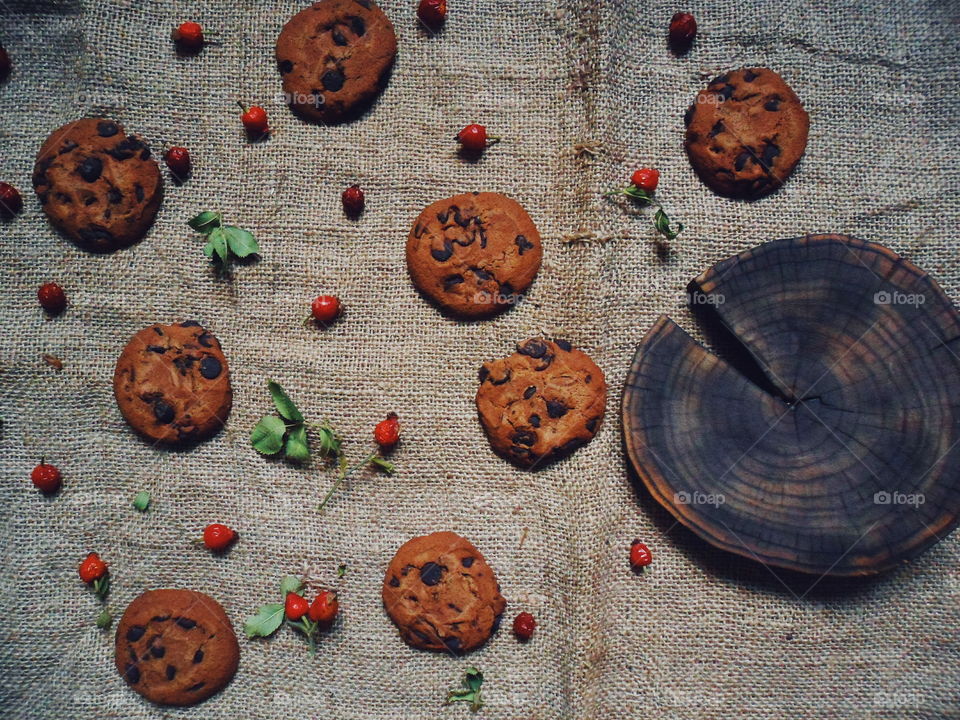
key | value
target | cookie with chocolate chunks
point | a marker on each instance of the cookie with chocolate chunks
(542, 402)
(334, 58)
(746, 132)
(474, 254)
(442, 594)
(176, 647)
(172, 383)
(98, 185)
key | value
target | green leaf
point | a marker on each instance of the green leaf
(283, 403)
(290, 584)
(472, 681)
(267, 436)
(329, 440)
(104, 619)
(385, 465)
(205, 221)
(638, 194)
(265, 622)
(341, 570)
(297, 448)
(241, 242)
(662, 223)
(216, 243)
(141, 501)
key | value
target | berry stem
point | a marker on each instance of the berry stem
(345, 472)
(661, 220)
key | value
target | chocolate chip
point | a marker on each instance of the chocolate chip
(467, 562)
(524, 437)
(90, 201)
(332, 80)
(556, 409)
(67, 147)
(483, 373)
(338, 37)
(394, 581)
(455, 609)
(189, 323)
(357, 25)
(430, 574)
(719, 79)
(160, 618)
(420, 634)
(528, 393)
(156, 349)
(727, 92)
(592, 424)
(419, 230)
(571, 445)
(502, 380)
(135, 633)
(205, 339)
(138, 191)
(717, 128)
(481, 274)
(184, 363)
(285, 66)
(497, 619)
(126, 148)
(114, 195)
(773, 104)
(533, 348)
(198, 657)
(158, 651)
(133, 654)
(770, 151)
(106, 128)
(749, 75)
(163, 412)
(443, 255)
(171, 672)
(90, 169)
(535, 420)
(186, 623)
(194, 688)
(741, 160)
(131, 673)
(688, 115)
(210, 367)
(547, 361)
(452, 643)
(523, 243)
(563, 345)
(451, 280)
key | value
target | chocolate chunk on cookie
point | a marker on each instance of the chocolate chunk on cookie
(474, 254)
(98, 186)
(172, 383)
(542, 402)
(334, 58)
(176, 647)
(442, 595)
(746, 132)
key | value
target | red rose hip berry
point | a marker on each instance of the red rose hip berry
(432, 12)
(473, 138)
(683, 29)
(523, 626)
(324, 608)
(10, 201)
(46, 477)
(353, 201)
(387, 432)
(188, 35)
(645, 179)
(254, 120)
(325, 309)
(218, 537)
(92, 568)
(640, 555)
(295, 606)
(52, 298)
(178, 160)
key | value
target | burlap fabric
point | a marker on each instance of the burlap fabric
(582, 94)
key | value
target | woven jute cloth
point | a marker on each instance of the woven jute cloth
(582, 93)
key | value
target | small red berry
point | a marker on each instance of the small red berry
(254, 120)
(324, 608)
(295, 606)
(178, 160)
(646, 179)
(523, 626)
(4, 64)
(218, 537)
(10, 201)
(387, 432)
(473, 138)
(46, 477)
(640, 555)
(52, 298)
(352, 200)
(325, 309)
(432, 12)
(92, 568)
(683, 29)
(188, 36)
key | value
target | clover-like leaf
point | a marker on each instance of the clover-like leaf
(290, 584)
(240, 241)
(267, 436)
(216, 245)
(329, 440)
(283, 403)
(296, 447)
(205, 221)
(265, 622)
(385, 465)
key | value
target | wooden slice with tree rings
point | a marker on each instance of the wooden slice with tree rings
(835, 449)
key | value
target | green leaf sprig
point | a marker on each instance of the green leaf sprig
(223, 240)
(471, 692)
(270, 617)
(141, 501)
(660, 219)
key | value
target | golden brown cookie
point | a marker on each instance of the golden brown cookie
(442, 595)
(474, 254)
(97, 185)
(176, 647)
(172, 383)
(334, 58)
(542, 402)
(746, 132)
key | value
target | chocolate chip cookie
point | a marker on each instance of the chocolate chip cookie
(474, 254)
(746, 132)
(334, 58)
(542, 402)
(442, 595)
(98, 186)
(172, 383)
(176, 647)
